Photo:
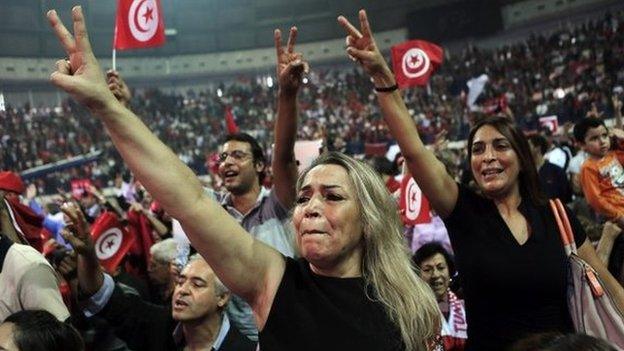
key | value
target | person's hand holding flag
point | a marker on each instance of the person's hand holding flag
(119, 88)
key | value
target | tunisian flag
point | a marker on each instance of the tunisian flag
(415, 61)
(413, 204)
(140, 228)
(112, 240)
(139, 24)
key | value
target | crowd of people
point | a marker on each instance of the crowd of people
(270, 258)
(566, 73)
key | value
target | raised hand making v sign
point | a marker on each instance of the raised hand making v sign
(290, 65)
(248, 267)
(508, 204)
(80, 74)
(361, 47)
(299, 304)
(290, 69)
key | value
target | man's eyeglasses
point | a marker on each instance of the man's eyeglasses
(237, 155)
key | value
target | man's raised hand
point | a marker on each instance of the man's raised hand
(290, 64)
(80, 74)
(77, 231)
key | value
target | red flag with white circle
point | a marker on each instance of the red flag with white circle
(413, 204)
(139, 24)
(112, 240)
(415, 61)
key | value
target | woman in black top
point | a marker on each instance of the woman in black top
(354, 288)
(506, 242)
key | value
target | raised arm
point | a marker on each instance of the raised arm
(248, 267)
(427, 170)
(290, 68)
(76, 232)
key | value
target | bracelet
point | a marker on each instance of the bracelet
(387, 89)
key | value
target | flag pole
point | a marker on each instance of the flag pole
(114, 59)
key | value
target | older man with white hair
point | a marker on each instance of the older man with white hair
(195, 320)
(161, 282)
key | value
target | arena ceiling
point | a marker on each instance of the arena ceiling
(201, 26)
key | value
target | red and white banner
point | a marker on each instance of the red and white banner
(455, 329)
(415, 61)
(112, 240)
(139, 24)
(413, 203)
(550, 122)
(230, 123)
(79, 187)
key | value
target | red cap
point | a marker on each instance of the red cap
(11, 181)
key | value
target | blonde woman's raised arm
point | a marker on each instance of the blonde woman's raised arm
(248, 267)
(427, 170)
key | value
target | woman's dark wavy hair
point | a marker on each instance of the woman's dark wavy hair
(529, 181)
(38, 330)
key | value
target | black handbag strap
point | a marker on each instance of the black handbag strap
(5, 245)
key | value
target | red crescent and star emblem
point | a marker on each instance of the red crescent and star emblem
(415, 63)
(108, 243)
(413, 200)
(143, 19)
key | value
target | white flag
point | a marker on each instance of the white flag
(475, 88)
(2, 108)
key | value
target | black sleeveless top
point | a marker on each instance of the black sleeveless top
(511, 290)
(312, 312)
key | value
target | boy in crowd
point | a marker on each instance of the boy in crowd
(602, 174)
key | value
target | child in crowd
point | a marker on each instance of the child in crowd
(602, 174)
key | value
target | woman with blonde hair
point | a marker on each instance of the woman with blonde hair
(386, 264)
(353, 288)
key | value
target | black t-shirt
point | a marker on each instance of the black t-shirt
(312, 312)
(510, 290)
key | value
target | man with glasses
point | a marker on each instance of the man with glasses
(261, 211)
(242, 165)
